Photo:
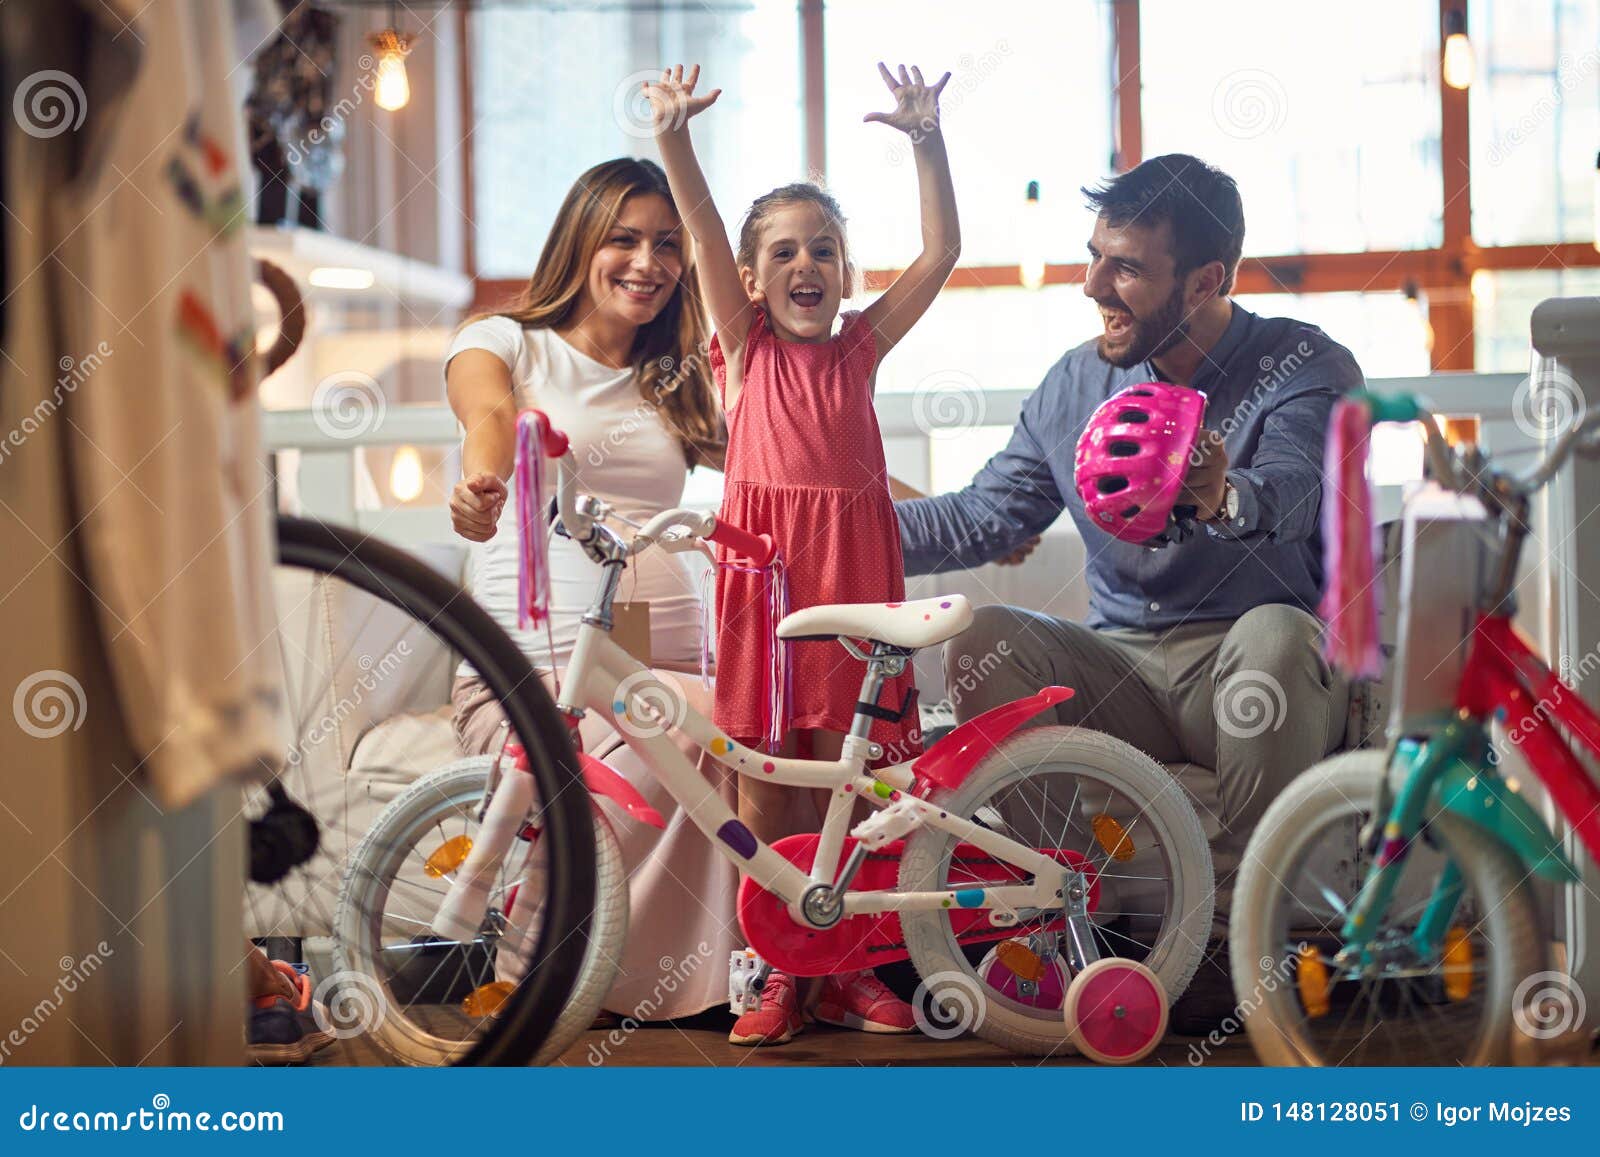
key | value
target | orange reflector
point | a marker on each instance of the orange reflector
(1312, 977)
(487, 999)
(1023, 962)
(1112, 838)
(1457, 964)
(448, 856)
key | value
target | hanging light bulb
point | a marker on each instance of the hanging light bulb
(1483, 288)
(405, 474)
(1460, 62)
(1032, 269)
(394, 87)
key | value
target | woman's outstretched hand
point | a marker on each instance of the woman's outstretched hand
(916, 110)
(475, 505)
(672, 98)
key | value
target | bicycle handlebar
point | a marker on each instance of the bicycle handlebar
(1413, 408)
(758, 548)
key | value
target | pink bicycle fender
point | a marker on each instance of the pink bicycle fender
(952, 759)
(602, 779)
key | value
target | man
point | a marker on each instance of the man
(1207, 650)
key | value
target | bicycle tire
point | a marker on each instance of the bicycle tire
(449, 612)
(949, 977)
(1340, 789)
(448, 793)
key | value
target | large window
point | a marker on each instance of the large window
(1029, 99)
(1355, 162)
(1535, 120)
(1327, 115)
(556, 90)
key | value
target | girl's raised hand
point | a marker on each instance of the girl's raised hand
(672, 98)
(916, 102)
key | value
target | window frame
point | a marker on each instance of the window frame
(1442, 275)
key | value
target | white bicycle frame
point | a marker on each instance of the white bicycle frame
(603, 678)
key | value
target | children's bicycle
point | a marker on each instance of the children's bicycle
(1384, 913)
(1052, 886)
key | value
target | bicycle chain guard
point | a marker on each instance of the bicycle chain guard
(869, 940)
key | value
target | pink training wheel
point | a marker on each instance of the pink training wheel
(1116, 1011)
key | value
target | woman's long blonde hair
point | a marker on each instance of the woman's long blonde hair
(670, 355)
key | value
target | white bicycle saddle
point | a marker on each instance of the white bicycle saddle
(912, 625)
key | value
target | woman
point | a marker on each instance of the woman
(608, 340)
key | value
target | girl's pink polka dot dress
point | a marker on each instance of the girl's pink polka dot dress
(805, 465)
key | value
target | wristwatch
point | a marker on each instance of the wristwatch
(1229, 509)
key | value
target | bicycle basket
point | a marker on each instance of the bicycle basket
(1444, 568)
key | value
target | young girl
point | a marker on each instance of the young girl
(805, 461)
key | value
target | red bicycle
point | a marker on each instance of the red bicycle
(1384, 912)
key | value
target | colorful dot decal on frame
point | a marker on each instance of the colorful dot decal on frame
(742, 840)
(882, 790)
(619, 707)
(721, 746)
(969, 897)
(769, 767)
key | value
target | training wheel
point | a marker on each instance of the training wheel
(1116, 1011)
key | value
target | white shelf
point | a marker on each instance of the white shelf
(298, 251)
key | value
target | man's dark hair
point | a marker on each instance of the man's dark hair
(1201, 203)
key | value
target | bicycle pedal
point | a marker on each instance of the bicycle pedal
(894, 822)
(747, 973)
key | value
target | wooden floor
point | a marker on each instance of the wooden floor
(703, 1040)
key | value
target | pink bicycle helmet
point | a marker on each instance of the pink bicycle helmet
(1133, 455)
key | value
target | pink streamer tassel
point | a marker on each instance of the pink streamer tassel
(533, 555)
(1350, 603)
(776, 692)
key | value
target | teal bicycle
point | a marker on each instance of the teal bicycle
(1385, 912)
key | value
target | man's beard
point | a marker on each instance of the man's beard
(1152, 336)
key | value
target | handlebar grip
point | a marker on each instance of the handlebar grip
(552, 442)
(1392, 408)
(758, 548)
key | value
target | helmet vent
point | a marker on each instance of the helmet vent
(1110, 484)
(1122, 448)
(1133, 416)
